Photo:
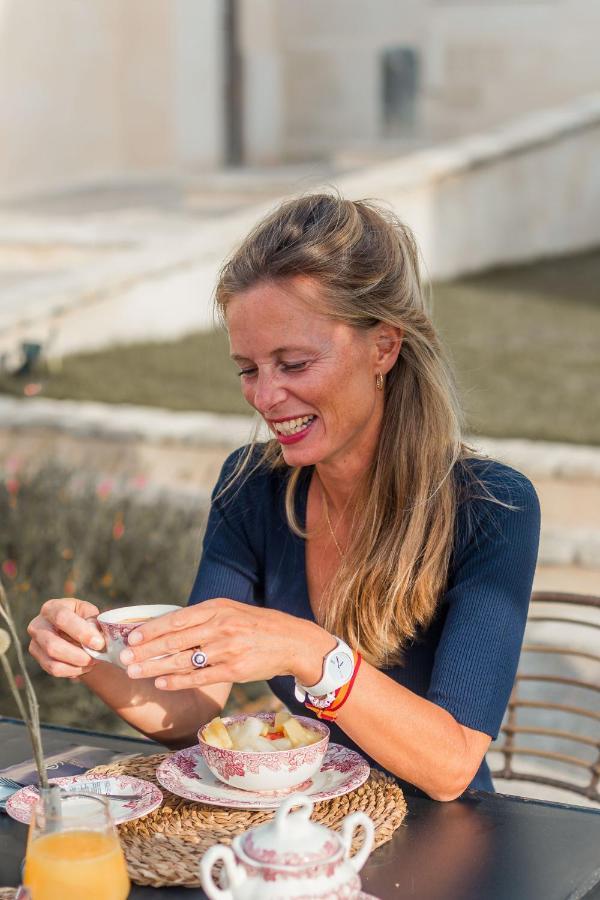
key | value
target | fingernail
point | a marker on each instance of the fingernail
(96, 642)
(126, 656)
(133, 671)
(135, 638)
(161, 682)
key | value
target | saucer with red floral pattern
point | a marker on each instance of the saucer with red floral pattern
(145, 796)
(185, 774)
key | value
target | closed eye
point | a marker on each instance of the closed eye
(294, 367)
(286, 367)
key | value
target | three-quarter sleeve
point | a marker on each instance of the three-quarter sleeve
(229, 566)
(486, 606)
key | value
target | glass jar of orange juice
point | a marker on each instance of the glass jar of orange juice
(73, 851)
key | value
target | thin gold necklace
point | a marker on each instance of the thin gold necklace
(326, 505)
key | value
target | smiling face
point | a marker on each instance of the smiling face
(310, 377)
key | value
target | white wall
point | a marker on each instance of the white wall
(198, 109)
(264, 100)
(482, 62)
(488, 62)
(94, 88)
(101, 87)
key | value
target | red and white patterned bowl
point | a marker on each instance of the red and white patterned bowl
(279, 770)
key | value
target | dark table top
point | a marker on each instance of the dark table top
(480, 847)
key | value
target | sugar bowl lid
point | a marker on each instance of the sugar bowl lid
(290, 838)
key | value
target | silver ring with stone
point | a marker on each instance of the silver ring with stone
(199, 658)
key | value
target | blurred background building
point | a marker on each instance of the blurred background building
(140, 139)
(110, 88)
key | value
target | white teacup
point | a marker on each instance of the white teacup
(117, 624)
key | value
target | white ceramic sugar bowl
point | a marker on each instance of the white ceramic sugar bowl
(290, 857)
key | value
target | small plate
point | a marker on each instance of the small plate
(186, 774)
(20, 805)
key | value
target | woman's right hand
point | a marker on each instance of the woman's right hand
(57, 634)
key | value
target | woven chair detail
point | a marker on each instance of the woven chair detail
(542, 689)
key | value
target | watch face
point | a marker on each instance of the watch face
(340, 667)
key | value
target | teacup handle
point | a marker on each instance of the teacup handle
(97, 654)
(349, 826)
(235, 874)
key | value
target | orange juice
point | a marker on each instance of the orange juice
(73, 865)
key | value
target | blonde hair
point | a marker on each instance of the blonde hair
(365, 262)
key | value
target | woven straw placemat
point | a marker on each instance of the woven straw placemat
(165, 847)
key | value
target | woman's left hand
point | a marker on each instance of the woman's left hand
(241, 642)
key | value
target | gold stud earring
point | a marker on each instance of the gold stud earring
(379, 381)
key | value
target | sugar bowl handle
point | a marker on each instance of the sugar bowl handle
(349, 826)
(235, 874)
(306, 807)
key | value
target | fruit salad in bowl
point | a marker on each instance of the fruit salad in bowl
(264, 752)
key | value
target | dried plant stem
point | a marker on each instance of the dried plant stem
(13, 687)
(31, 715)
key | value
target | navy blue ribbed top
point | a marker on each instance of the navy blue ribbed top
(466, 660)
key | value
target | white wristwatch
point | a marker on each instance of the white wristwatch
(338, 668)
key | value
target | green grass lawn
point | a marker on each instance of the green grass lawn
(526, 346)
(525, 342)
(189, 374)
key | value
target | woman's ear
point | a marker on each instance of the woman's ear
(388, 341)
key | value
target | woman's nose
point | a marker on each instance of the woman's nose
(268, 392)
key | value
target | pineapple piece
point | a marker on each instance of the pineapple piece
(235, 731)
(281, 744)
(216, 734)
(280, 717)
(297, 734)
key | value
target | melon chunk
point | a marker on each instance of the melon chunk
(262, 745)
(252, 728)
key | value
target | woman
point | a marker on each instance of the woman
(363, 560)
